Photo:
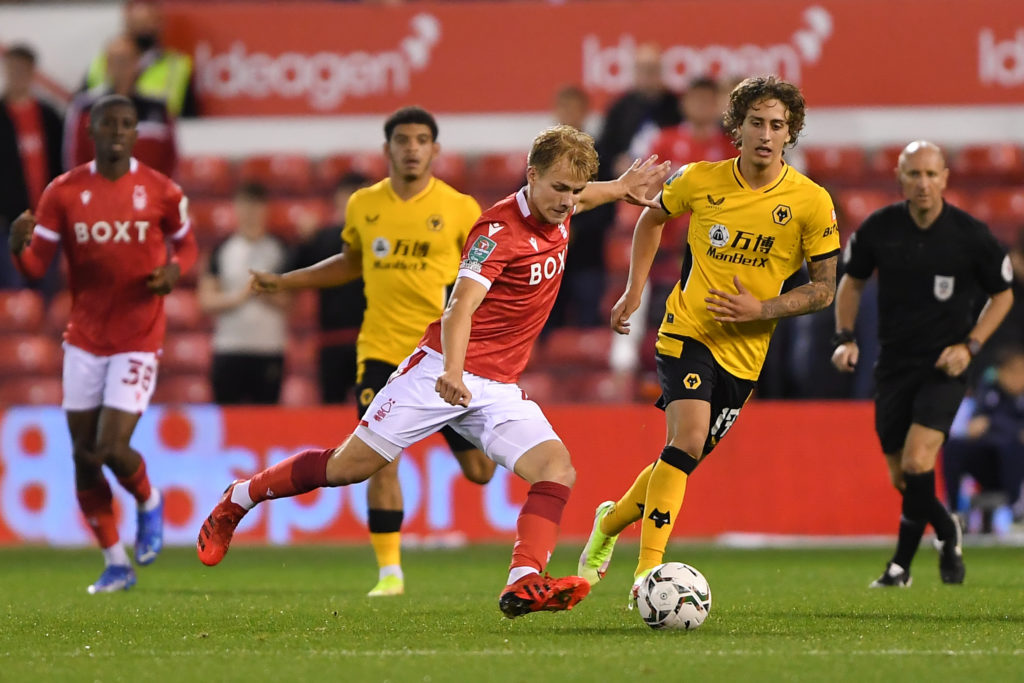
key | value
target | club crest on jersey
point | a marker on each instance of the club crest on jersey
(381, 247)
(86, 196)
(943, 287)
(481, 250)
(782, 214)
(435, 223)
(718, 235)
(139, 197)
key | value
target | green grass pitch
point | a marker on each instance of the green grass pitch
(299, 614)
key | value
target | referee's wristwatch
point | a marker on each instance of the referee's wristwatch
(973, 346)
(842, 337)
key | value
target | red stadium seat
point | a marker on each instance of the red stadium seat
(503, 173)
(35, 390)
(617, 252)
(833, 163)
(187, 352)
(30, 354)
(182, 309)
(284, 215)
(299, 390)
(600, 387)
(183, 389)
(452, 169)
(213, 219)
(21, 311)
(303, 311)
(856, 205)
(301, 355)
(58, 312)
(373, 165)
(206, 176)
(575, 347)
(1002, 209)
(1000, 161)
(539, 386)
(281, 173)
(882, 162)
(329, 170)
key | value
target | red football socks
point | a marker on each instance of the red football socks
(537, 526)
(97, 506)
(301, 473)
(138, 484)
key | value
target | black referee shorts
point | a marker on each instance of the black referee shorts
(914, 394)
(372, 376)
(695, 374)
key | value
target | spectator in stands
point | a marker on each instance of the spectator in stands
(157, 145)
(161, 73)
(646, 108)
(700, 136)
(249, 329)
(992, 451)
(341, 308)
(30, 144)
(583, 284)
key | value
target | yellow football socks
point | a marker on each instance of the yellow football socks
(629, 508)
(665, 492)
(388, 548)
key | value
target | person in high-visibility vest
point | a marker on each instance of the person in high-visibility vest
(164, 74)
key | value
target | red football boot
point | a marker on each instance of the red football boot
(216, 532)
(537, 593)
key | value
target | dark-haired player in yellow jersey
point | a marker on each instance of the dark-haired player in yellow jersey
(754, 221)
(404, 236)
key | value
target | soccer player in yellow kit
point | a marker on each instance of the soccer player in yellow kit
(404, 236)
(754, 221)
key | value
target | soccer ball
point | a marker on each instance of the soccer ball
(674, 596)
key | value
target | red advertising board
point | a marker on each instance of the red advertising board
(329, 58)
(784, 468)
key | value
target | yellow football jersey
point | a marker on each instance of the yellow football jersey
(410, 251)
(762, 236)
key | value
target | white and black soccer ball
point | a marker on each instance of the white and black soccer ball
(674, 596)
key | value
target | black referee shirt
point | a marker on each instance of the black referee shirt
(929, 281)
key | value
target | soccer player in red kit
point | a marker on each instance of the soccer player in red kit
(465, 369)
(114, 218)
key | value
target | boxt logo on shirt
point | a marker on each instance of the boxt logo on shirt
(548, 268)
(102, 232)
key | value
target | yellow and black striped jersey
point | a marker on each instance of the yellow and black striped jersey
(762, 236)
(410, 252)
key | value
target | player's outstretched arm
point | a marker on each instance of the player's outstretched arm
(637, 186)
(456, 323)
(336, 270)
(646, 239)
(846, 353)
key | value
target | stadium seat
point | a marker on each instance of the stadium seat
(182, 309)
(834, 163)
(58, 312)
(574, 347)
(213, 219)
(301, 355)
(539, 386)
(858, 204)
(452, 169)
(30, 354)
(33, 390)
(502, 173)
(618, 248)
(283, 215)
(21, 311)
(303, 311)
(329, 170)
(373, 165)
(183, 389)
(206, 176)
(600, 386)
(186, 352)
(299, 390)
(281, 173)
(1002, 162)
(882, 162)
(1002, 209)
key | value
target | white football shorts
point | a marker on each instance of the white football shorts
(124, 381)
(499, 420)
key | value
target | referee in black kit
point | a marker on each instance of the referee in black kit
(934, 262)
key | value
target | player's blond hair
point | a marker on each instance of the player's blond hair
(564, 142)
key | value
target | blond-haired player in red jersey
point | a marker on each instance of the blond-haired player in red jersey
(464, 371)
(114, 218)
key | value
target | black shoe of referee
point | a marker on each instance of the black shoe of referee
(951, 555)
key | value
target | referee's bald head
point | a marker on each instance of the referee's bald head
(919, 146)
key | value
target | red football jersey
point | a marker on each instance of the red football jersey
(520, 260)
(677, 145)
(114, 234)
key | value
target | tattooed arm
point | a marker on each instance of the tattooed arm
(744, 306)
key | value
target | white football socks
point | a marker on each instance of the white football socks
(115, 555)
(240, 495)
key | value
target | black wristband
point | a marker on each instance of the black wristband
(973, 346)
(843, 337)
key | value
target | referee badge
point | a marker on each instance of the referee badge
(943, 287)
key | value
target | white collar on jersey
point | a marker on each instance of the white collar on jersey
(133, 165)
(524, 208)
